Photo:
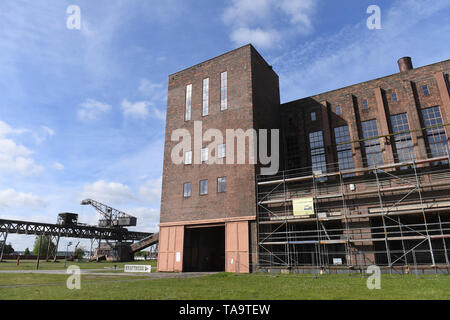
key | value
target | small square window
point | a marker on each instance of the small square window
(221, 152)
(187, 190)
(188, 157)
(313, 116)
(338, 110)
(425, 90)
(394, 97)
(203, 187)
(365, 104)
(221, 184)
(205, 154)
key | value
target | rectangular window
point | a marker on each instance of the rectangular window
(425, 90)
(188, 102)
(203, 187)
(402, 138)
(437, 139)
(344, 148)
(338, 110)
(365, 104)
(205, 154)
(188, 157)
(187, 190)
(394, 97)
(223, 91)
(221, 184)
(313, 116)
(372, 146)
(222, 151)
(205, 97)
(318, 160)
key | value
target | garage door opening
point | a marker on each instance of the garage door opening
(204, 249)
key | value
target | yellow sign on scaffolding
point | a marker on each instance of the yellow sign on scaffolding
(303, 206)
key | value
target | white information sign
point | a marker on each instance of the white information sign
(138, 268)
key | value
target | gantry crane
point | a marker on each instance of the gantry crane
(112, 218)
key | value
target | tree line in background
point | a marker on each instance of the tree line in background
(77, 254)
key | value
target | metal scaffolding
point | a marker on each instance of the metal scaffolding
(393, 215)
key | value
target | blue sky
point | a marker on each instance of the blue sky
(82, 111)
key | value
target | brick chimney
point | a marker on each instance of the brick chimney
(405, 64)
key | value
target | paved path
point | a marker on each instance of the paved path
(156, 275)
(144, 276)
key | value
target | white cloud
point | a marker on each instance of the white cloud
(11, 198)
(58, 166)
(265, 23)
(42, 135)
(48, 130)
(92, 109)
(108, 192)
(150, 89)
(151, 190)
(147, 219)
(258, 37)
(6, 129)
(361, 54)
(15, 158)
(135, 110)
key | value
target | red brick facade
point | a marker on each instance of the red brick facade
(254, 103)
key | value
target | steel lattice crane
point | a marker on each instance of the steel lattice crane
(113, 218)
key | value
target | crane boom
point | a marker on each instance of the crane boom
(111, 216)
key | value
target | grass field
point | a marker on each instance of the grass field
(226, 286)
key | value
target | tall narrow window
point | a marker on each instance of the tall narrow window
(372, 146)
(187, 190)
(188, 102)
(188, 157)
(221, 184)
(313, 116)
(318, 160)
(205, 154)
(223, 91)
(402, 138)
(203, 187)
(437, 139)
(338, 110)
(222, 151)
(425, 90)
(205, 97)
(344, 148)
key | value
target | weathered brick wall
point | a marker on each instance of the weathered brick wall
(296, 115)
(244, 96)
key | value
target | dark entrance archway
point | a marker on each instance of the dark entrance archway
(204, 249)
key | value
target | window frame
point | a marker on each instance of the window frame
(200, 187)
(204, 155)
(188, 103)
(184, 190)
(205, 101)
(224, 91)
(365, 104)
(224, 183)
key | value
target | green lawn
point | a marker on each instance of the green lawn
(59, 265)
(230, 286)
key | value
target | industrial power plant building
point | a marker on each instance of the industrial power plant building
(363, 176)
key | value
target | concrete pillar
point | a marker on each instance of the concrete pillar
(382, 120)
